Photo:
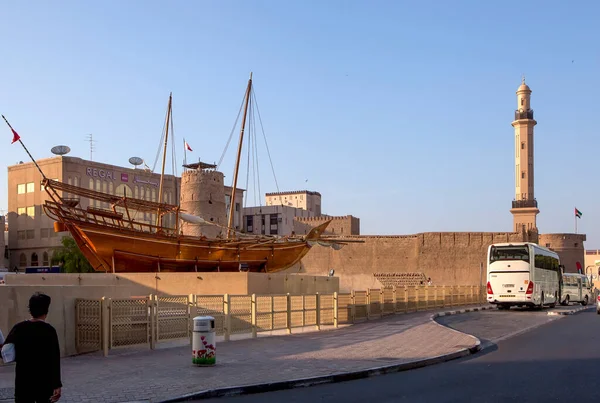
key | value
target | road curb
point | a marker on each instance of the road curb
(572, 311)
(341, 377)
(319, 380)
(466, 310)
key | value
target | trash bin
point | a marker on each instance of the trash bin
(204, 347)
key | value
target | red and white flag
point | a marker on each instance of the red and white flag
(187, 146)
(16, 136)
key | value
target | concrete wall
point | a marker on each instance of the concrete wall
(449, 258)
(65, 288)
(185, 283)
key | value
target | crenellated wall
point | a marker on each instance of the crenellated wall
(340, 225)
(447, 257)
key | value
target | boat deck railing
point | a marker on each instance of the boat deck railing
(107, 218)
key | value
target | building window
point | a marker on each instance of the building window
(34, 259)
(21, 211)
(45, 261)
(21, 188)
(237, 206)
(31, 211)
(22, 260)
(30, 234)
(522, 175)
(576, 244)
(249, 223)
(30, 187)
(522, 146)
(44, 233)
(21, 235)
(547, 245)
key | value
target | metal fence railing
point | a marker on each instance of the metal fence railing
(104, 324)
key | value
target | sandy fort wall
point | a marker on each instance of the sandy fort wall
(341, 225)
(447, 257)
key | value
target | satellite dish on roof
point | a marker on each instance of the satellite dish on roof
(60, 150)
(135, 161)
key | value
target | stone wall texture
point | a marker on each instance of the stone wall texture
(203, 195)
(449, 258)
(341, 225)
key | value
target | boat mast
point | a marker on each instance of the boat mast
(162, 173)
(237, 162)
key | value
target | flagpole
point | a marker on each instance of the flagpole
(26, 150)
(184, 154)
(576, 223)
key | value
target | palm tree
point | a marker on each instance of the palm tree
(70, 259)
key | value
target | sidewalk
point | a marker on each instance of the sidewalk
(154, 376)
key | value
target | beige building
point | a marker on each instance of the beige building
(3, 244)
(302, 199)
(31, 237)
(272, 220)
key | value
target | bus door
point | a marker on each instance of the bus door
(579, 290)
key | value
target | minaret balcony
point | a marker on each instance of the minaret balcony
(524, 203)
(521, 114)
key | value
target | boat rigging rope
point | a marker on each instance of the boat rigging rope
(231, 134)
(160, 143)
(265, 138)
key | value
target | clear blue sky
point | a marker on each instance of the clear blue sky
(398, 112)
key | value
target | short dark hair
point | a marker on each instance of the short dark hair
(39, 304)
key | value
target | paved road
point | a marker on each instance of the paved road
(552, 362)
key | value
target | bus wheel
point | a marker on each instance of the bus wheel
(553, 305)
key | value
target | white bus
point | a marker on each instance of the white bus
(576, 288)
(522, 274)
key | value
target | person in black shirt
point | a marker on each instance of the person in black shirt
(37, 374)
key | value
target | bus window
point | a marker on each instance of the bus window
(509, 253)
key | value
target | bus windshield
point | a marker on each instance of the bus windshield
(509, 253)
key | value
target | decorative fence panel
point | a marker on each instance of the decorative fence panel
(326, 307)
(240, 314)
(88, 319)
(129, 322)
(361, 307)
(210, 305)
(374, 303)
(105, 324)
(345, 308)
(172, 317)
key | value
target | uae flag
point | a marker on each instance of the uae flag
(578, 213)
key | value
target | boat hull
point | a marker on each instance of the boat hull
(109, 250)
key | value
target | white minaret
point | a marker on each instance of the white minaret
(524, 206)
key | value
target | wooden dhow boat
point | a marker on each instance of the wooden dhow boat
(115, 242)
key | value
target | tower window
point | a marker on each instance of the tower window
(522, 101)
(522, 146)
(522, 175)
